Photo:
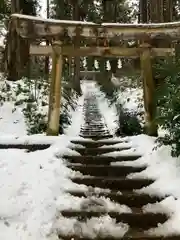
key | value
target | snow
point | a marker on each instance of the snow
(30, 183)
(67, 202)
(77, 115)
(130, 98)
(53, 21)
(114, 140)
(119, 153)
(34, 185)
(11, 122)
(109, 114)
(165, 25)
(121, 25)
(118, 145)
(161, 167)
(13, 101)
(32, 139)
(95, 227)
(165, 170)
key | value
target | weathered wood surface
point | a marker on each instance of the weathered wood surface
(89, 75)
(101, 51)
(49, 29)
(149, 90)
(55, 92)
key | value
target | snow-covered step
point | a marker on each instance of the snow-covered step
(104, 170)
(96, 136)
(98, 151)
(135, 234)
(102, 160)
(131, 199)
(29, 147)
(94, 131)
(96, 124)
(119, 183)
(93, 144)
(94, 128)
(135, 219)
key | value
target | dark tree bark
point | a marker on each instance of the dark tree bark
(143, 11)
(168, 10)
(17, 49)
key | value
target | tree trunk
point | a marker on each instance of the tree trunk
(143, 11)
(15, 6)
(158, 9)
(168, 11)
(17, 49)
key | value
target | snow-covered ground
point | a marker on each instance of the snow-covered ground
(33, 184)
(15, 120)
(166, 172)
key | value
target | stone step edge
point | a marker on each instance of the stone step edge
(137, 236)
(130, 198)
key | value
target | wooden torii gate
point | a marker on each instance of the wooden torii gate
(101, 40)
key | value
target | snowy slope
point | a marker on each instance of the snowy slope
(14, 99)
(11, 120)
(33, 185)
(30, 185)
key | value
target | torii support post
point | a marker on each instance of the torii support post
(149, 90)
(55, 90)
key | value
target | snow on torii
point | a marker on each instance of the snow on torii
(65, 38)
(36, 27)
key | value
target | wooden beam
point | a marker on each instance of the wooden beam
(55, 92)
(101, 51)
(88, 74)
(40, 50)
(38, 28)
(149, 90)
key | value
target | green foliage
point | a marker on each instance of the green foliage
(128, 124)
(32, 98)
(129, 121)
(36, 121)
(4, 9)
(61, 10)
(106, 86)
(168, 102)
(35, 69)
(69, 97)
(29, 7)
(115, 11)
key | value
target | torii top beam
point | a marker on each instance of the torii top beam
(38, 28)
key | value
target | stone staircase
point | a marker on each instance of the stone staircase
(99, 173)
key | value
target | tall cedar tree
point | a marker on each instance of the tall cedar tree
(17, 49)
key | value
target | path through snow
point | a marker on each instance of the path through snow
(32, 184)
